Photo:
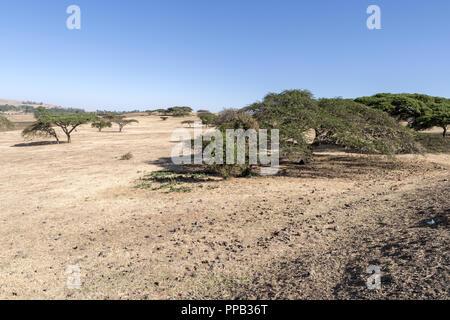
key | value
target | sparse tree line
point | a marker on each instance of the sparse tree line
(26, 108)
(46, 120)
(365, 124)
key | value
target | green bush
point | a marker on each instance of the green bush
(207, 119)
(101, 124)
(127, 156)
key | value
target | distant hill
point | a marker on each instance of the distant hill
(35, 104)
(11, 107)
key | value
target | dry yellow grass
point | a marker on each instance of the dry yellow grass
(75, 204)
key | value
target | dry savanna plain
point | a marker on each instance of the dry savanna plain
(310, 232)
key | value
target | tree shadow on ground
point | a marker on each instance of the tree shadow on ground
(323, 166)
(37, 143)
(342, 166)
(190, 173)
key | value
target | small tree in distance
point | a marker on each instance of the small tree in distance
(188, 122)
(125, 122)
(120, 120)
(101, 124)
(207, 118)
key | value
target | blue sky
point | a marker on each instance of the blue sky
(215, 54)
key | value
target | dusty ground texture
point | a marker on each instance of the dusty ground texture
(309, 233)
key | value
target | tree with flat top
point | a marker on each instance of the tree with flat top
(120, 120)
(66, 122)
(101, 124)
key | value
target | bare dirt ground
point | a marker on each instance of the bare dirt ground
(309, 233)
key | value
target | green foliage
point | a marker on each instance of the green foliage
(439, 116)
(26, 108)
(362, 129)
(169, 181)
(336, 121)
(101, 124)
(127, 156)
(39, 130)
(340, 122)
(421, 111)
(40, 111)
(5, 123)
(7, 107)
(179, 109)
(293, 113)
(161, 111)
(235, 119)
(207, 119)
(433, 143)
(32, 102)
(180, 114)
(120, 120)
(164, 118)
(188, 122)
(66, 122)
(22, 108)
(232, 119)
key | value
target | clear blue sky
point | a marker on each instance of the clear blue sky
(215, 54)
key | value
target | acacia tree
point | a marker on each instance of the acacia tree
(120, 120)
(419, 110)
(40, 111)
(124, 122)
(67, 122)
(340, 122)
(188, 122)
(207, 118)
(438, 117)
(101, 124)
(5, 123)
(179, 111)
(39, 129)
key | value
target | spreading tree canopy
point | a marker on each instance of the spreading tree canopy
(101, 124)
(207, 118)
(66, 122)
(341, 122)
(120, 120)
(419, 110)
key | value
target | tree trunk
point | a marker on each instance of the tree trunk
(445, 132)
(69, 140)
